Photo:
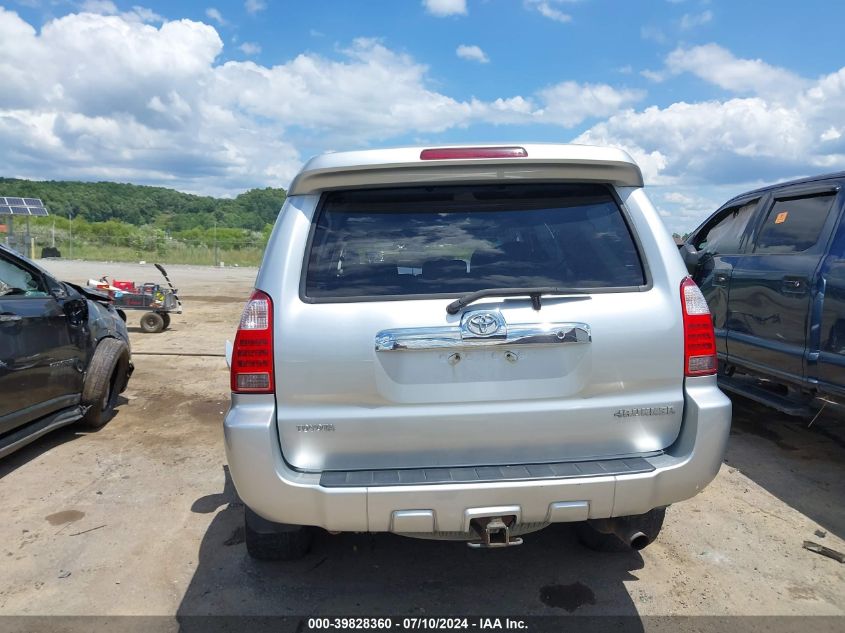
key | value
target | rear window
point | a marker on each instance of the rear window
(458, 239)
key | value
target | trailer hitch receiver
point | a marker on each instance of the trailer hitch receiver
(494, 532)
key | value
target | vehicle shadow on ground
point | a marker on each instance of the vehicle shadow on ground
(804, 467)
(384, 574)
(137, 329)
(60, 436)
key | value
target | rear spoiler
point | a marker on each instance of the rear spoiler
(578, 163)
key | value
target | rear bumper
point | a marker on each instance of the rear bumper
(278, 493)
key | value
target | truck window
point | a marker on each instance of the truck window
(726, 236)
(457, 239)
(794, 225)
(16, 281)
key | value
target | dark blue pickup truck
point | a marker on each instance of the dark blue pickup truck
(771, 263)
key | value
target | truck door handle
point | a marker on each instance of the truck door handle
(794, 285)
(9, 318)
(720, 278)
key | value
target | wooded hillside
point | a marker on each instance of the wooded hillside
(140, 205)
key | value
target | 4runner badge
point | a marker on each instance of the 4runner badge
(314, 428)
(628, 413)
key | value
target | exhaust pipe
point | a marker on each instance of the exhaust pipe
(627, 529)
(636, 539)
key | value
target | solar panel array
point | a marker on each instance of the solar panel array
(22, 206)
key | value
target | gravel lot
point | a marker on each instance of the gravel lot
(141, 517)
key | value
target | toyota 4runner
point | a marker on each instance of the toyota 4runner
(471, 343)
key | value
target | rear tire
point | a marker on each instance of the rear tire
(152, 323)
(103, 381)
(166, 318)
(270, 541)
(649, 523)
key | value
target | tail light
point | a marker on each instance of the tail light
(252, 355)
(699, 337)
(452, 153)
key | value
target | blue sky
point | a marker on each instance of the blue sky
(711, 97)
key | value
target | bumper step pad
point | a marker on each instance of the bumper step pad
(478, 474)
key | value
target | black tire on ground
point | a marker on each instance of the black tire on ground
(649, 523)
(152, 323)
(166, 318)
(103, 380)
(279, 542)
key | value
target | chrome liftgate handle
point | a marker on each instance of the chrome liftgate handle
(434, 338)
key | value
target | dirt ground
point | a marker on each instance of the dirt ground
(142, 518)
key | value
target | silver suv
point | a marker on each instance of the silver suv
(471, 343)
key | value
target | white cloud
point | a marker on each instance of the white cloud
(719, 66)
(472, 53)
(376, 93)
(831, 134)
(124, 100)
(549, 9)
(653, 75)
(684, 208)
(371, 93)
(790, 126)
(250, 48)
(255, 6)
(565, 104)
(678, 198)
(691, 20)
(653, 33)
(709, 141)
(569, 103)
(106, 7)
(215, 15)
(143, 14)
(443, 8)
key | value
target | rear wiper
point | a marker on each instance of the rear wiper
(459, 304)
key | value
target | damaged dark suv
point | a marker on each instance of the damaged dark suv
(64, 354)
